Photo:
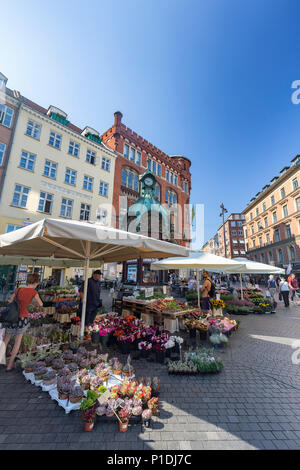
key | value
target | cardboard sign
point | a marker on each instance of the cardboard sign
(104, 397)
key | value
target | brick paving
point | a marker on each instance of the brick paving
(252, 404)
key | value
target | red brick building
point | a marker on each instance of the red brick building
(134, 156)
(234, 237)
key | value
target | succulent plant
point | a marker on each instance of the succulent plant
(84, 363)
(137, 410)
(51, 374)
(29, 365)
(101, 410)
(125, 414)
(73, 367)
(58, 364)
(96, 382)
(76, 392)
(103, 357)
(64, 372)
(68, 355)
(39, 364)
(99, 368)
(40, 372)
(86, 379)
(82, 350)
(64, 384)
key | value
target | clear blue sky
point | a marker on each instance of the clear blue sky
(209, 79)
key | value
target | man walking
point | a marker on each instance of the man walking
(93, 301)
(205, 290)
(272, 287)
(293, 283)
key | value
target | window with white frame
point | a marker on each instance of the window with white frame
(27, 161)
(85, 211)
(257, 211)
(88, 183)
(292, 253)
(157, 191)
(33, 129)
(2, 152)
(268, 238)
(254, 243)
(158, 169)
(12, 227)
(105, 165)
(126, 151)
(280, 256)
(233, 232)
(240, 224)
(234, 241)
(242, 242)
(185, 187)
(295, 183)
(242, 252)
(175, 180)
(130, 179)
(153, 166)
(66, 208)
(74, 148)
(240, 233)
(266, 222)
(276, 235)
(70, 176)
(149, 163)
(50, 169)
(167, 175)
(45, 202)
(132, 154)
(297, 200)
(55, 140)
(171, 197)
(252, 229)
(171, 178)
(103, 189)
(282, 192)
(20, 196)
(235, 252)
(232, 223)
(138, 158)
(264, 206)
(101, 216)
(260, 241)
(90, 157)
(6, 115)
(285, 211)
(251, 216)
(288, 231)
(270, 256)
(274, 217)
(272, 200)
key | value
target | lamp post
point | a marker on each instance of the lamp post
(223, 211)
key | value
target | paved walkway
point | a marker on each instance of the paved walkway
(252, 404)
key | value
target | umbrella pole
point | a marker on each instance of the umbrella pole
(86, 269)
(198, 289)
(241, 286)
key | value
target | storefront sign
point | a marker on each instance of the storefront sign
(23, 267)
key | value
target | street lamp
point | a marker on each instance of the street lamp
(223, 211)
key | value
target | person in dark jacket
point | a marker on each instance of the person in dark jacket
(93, 301)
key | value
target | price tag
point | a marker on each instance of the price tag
(149, 292)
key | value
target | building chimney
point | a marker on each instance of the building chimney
(118, 118)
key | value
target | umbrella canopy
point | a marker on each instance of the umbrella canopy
(253, 267)
(61, 262)
(199, 260)
(84, 241)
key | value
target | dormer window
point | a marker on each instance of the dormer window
(91, 134)
(3, 81)
(58, 115)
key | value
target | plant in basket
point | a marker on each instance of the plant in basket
(49, 378)
(153, 405)
(76, 394)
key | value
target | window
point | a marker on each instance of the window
(185, 187)
(288, 231)
(298, 204)
(88, 183)
(70, 176)
(280, 257)
(242, 252)
(233, 232)
(55, 140)
(157, 191)
(240, 224)
(295, 183)
(254, 244)
(2, 153)
(175, 180)
(257, 211)
(101, 216)
(158, 169)
(6, 115)
(126, 151)
(285, 211)
(74, 149)
(235, 252)
(105, 165)
(27, 161)
(124, 178)
(240, 232)
(153, 167)
(90, 157)
(270, 256)
(266, 222)
(263, 258)
(167, 175)
(149, 163)
(234, 241)
(171, 197)
(268, 238)
(282, 192)
(292, 253)
(260, 242)
(103, 189)
(136, 183)
(251, 216)
(45, 202)
(138, 157)
(242, 242)
(264, 207)
(272, 200)
(252, 229)
(274, 217)
(132, 154)
(20, 196)
(276, 235)
(171, 178)
(85, 211)
(12, 228)
(50, 169)
(233, 223)
(130, 179)
(33, 129)
(66, 208)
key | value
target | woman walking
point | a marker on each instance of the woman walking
(285, 291)
(24, 296)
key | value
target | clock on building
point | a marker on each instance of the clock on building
(148, 181)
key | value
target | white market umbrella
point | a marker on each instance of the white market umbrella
(198, 260)
(85, 241)
(253, 267)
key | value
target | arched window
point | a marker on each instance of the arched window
(171, 197)
(130, 179)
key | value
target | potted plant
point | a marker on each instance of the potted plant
(67, 356)
(63, 387)
(85, 380)
(117, 367)
(94, 332)
(95, 383)
(146, 418)
(128, 370)
(124, 416)
(40, 372)
(145, 348)
(104, 374)
(153, 405)
(64, 372)
(49, 378)
(57, 364)
(88, 413)
(29, 366)
(75, 394)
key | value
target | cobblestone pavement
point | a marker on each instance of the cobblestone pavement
(252, 404)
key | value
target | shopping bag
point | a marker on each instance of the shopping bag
(268, 294)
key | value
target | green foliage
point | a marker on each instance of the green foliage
(92, 395)
(226, 297)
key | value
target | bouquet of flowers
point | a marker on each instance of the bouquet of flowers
(145, 345)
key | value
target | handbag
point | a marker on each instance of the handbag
(12, 311)
(280, 296)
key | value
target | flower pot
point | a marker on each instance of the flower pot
(160, 356)
(123, 427)
(75, 400)
(192, 333)
(145, 353)
(203, 334)
(88, 426)
(95, 337)
(103, 340)
(117, 372)
(28, 371)
(110, 415)
(63, 396)
(125, 348)
(177, 348)
(105, 378)
(49, 382)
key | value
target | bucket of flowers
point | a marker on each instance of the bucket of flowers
(217, 307)
(146, 418)
(191, 326)
(155, 383)
(124, 342)
(94, 332)
(104, 332)
(145, 348)
(159, 347)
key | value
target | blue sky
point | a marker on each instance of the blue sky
(207, 79)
